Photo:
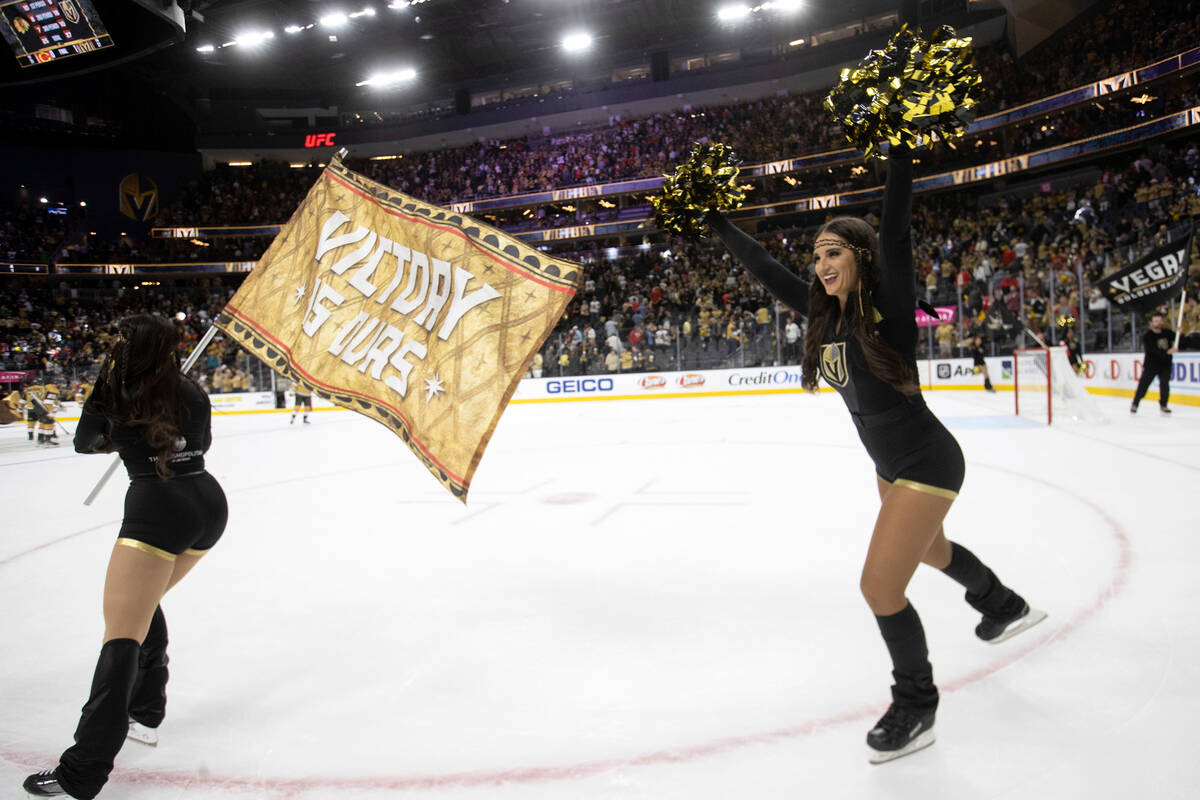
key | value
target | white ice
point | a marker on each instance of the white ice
(642, 599)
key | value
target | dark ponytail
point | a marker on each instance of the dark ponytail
(138, 385)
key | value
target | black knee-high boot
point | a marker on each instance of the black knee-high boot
(83, 769)
(985, 593)
(905, 639)
(148, 704)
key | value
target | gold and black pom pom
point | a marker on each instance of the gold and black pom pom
(909, 93)
(707, 181)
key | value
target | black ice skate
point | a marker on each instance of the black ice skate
(44, 784)
(995, 630)
(1164, 409)
(899, 732)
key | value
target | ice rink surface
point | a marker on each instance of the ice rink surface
(642, 599)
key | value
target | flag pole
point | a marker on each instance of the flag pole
(1183, 295)
(1179, 316)
(192, 358)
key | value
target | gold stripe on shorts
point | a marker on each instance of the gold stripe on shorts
(936, 491)
(146, 548)
(191, 552)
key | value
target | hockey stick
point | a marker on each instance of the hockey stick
(192, 358)
(1041, 342)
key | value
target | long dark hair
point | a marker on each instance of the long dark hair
(884, 362)
(138, 386)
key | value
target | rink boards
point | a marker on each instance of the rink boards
(1110, 374)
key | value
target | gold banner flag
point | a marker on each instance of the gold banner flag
(418, 317)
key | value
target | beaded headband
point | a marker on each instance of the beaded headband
(828, 242)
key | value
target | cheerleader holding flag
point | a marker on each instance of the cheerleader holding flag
(862, 339)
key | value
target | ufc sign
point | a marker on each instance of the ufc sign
(319, 140)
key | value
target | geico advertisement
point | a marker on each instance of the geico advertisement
(650, 384)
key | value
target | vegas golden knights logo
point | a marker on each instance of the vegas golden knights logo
(139, 197)
(69, 11)
(833, 363)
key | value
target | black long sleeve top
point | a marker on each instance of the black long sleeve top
(843, 364)
(1158, 346)
(95, 431)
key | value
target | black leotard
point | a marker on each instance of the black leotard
(904, 439)
(186, 513)
(139, 457)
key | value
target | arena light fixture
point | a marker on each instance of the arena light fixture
(336, 19)
(205, 48)
(253, 38)
(577, 41)
(389, 78)
(295, 28)
(733, 13)
(43, 200)
(366, 12)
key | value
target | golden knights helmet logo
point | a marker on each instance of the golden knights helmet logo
(833, 363)
(139, 197)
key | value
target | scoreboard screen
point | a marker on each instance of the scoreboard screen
(45, 31)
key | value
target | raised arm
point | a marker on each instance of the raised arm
(898, 293)
(780, 281)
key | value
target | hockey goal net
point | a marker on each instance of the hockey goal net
(1046, 388)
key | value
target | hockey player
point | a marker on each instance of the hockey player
(11, 407)
(303, 403)
(975, 350)
(37, 416)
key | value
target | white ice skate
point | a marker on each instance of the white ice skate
(140, 733)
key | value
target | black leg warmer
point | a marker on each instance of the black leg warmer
(148, 704)
(83, 768)
(985, 593)
(905, 639)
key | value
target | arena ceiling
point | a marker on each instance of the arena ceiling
(475, 44)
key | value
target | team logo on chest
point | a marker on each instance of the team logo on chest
(833, 363)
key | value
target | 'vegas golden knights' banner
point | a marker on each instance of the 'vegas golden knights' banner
(1155, 278)
(416, 316)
